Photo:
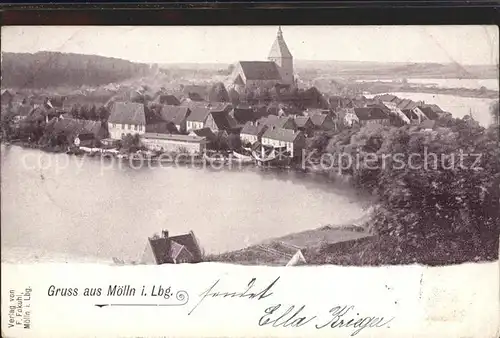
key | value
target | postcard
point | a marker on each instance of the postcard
(250, 181)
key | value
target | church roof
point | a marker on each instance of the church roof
(260, 70)
(279, 48)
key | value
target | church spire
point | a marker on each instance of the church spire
(279, 48)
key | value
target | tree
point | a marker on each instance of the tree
(494, 112)
(218, 93)
(234, 141)
(234, 97)
(131, 143)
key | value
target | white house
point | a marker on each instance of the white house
(126, 118)
(291, 141)
(252, 132)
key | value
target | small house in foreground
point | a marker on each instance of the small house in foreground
(166, 249)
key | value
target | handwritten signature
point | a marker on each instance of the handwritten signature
(278, 315)
(263, 293)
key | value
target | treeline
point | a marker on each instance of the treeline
(438, 191)
(46, 69)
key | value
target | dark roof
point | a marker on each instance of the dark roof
(260, 70)
(372, 113)
(407, 104)
(161, 249)
(198, 114)
(275, 121)
(253, 129)
(127, 113)
(387, 98)
(162, 127)
(191, 244)
(431, 111)
(86, 136)
(167, 99)
(77, 126)
(207, 133)
(222, 120)
(301, 121)
(281, 134)
(175, 114)
(318, 119)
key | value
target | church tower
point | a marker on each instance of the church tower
(280, 54)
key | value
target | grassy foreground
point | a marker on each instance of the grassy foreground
(353, 246)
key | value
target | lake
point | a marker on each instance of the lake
(491, 84)
(74, 208)
(458, 106)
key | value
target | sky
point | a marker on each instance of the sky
(227, 44)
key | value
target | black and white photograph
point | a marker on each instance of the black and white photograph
(290, 146)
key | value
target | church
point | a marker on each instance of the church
(266, 74)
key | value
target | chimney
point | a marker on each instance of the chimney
(164, 233)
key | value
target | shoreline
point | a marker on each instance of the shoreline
(460, 92)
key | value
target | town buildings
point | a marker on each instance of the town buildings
(126, 118)
(371, 115)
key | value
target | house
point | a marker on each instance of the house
(304, 124)
(323, 122)
(220, 118)
(412, 111)
(177, 115)
(252, 133)
(243, 113)
(195, 92)
(126, 118)
(387, 98)
(165, 249)
(174, 143)
(291, 141)
(432, 111)
(371, 115)
(198, 118)
(396, 115)
(206, 133)
(284, 122)
(170, 100)
(74, 128)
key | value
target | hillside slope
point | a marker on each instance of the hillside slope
(45, 69)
